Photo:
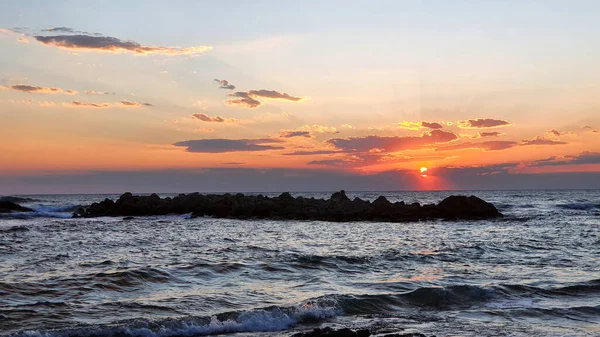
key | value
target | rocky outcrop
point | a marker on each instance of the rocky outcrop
(345, 332)
(338, 208)
(9, 207)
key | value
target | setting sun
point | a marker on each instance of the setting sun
(423, 169)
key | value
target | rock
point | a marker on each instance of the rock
(127, 218)
(9, 207)
(329, 332)
(463, 207)
(338, 208)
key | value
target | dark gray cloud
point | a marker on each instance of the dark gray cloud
(113, 45)
(229, 145)
(224, 84)
(38, 90)
(249, 99)
(290, 134)
(481, 123)
(216, 119)
(586, 157)
(391, 144)
(61, 30)
(272, 94)
(243, 99)
(486, 146)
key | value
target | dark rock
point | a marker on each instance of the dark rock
(329, 332)
(9, 207)
(285, 207)
(127, 218)
(463, 207)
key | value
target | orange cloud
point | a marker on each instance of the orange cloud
(134, 104)
(291, 134)
(249, 99)
(105, 44)
(224, 84)
(88, 105)
(542, 141)
(481, 123)
(23, 40)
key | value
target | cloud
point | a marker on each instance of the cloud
(272, 94)
(89, 105)
(60, 30)
(92, 92)
(542, 141)
(224, 84)
(391, 144)
(489, 134)
(330, 162)
(23, 40)
(585, 157)
(134, 104)
(81, 42)
(347, 126)
(290, 134)
(494, 145)
(318, 128)
(249, 99)
(481, 123)
(216, 119)
(309, 153)
(243, 99)
(233, 163)
(38, 90)
(419, 125)
(229, 145)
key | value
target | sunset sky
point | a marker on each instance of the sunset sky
(298, 95)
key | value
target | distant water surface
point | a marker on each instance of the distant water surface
(535, 272)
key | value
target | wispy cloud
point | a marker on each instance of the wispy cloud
(243, 99)
(229, 145)
(83, 42)
(38, 90)
(542, 141)
(224, 84)
(312, 152)
(331, 162)
(216, 119)
(92, 92)
(481, 123)
(88, 104)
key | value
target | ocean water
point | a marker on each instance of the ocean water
(535, 272)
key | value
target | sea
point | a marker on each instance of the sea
(535, 272)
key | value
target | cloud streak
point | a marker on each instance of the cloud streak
(486, 146)
(481, 123)
(419, 125)
(216, 119)
(391, 144)
(229, 145)
(291, 134)
(38, 90)
(585, 157)
(250, 99)
(105, 44)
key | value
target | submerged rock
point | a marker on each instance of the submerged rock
(338, 208)
(9, 207)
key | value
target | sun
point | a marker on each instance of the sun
(423, 169)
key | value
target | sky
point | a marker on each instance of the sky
(148, 96)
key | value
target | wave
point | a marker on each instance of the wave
(17, 200)
(579, 206)
(257, 320)
(44, 211)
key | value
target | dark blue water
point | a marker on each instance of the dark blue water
(535, 272)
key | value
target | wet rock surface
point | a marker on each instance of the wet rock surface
(339, 208)
(9, 207)
(345, 332)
